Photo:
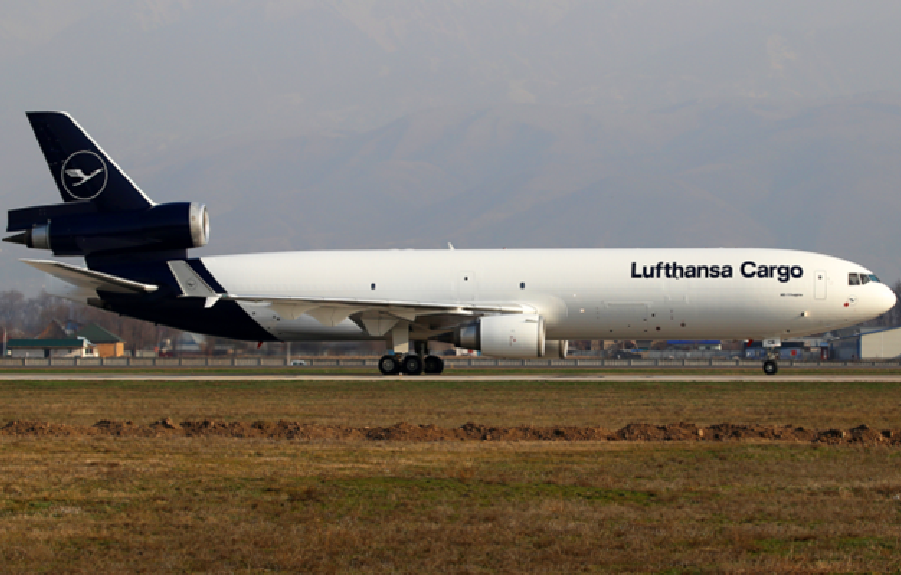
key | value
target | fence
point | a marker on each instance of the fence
(451, 362)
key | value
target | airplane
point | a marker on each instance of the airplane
(511, 303)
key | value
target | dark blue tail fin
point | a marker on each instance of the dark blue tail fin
(81, 169)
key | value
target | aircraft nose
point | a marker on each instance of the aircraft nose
(888, 298)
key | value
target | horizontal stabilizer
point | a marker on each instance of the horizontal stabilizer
(83, 277)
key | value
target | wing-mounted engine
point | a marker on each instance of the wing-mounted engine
(520, 336)
(82, 232)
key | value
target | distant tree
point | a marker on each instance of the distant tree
(26, 317)
(12, 309)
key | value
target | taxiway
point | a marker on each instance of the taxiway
(826, 378)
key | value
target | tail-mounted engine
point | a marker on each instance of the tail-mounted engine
(78, 229)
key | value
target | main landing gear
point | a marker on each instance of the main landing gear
(770, 367)
(410, 365)
(417, 362)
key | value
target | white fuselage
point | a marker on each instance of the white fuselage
(581, 293)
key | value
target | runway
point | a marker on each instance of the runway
(37, 376)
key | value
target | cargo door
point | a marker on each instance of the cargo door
(819, 289)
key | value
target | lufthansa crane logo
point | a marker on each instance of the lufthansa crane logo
(84, 175)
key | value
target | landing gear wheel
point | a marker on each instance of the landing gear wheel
(389, 365)
(770, 367)
(411, 365)
(433, 364)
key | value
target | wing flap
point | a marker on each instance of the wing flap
(332, 311)
(421, 306)
(83, 277)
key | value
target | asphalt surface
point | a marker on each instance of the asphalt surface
(37, 376)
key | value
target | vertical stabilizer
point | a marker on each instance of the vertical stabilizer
(81, 169)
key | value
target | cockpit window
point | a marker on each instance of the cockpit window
(874, 279)
(853, 280)
(864, 279)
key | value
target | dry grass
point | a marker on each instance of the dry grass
(213, 504)
(452, 403)
(227, 505)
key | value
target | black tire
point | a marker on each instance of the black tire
(770, 367)
(411, 365)
(389, 365)
(433, 364)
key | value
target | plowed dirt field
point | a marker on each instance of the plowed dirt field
(292, 430)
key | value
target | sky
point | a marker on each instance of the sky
(313, 124)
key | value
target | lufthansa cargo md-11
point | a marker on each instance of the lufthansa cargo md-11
(506, 303)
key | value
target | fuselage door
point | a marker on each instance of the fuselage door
(819, 288)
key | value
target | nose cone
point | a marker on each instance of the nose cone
(887, 299)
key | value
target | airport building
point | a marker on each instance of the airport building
(106, 343)
(68, 340)
(867, 344)
(46, 347)
(796, 349)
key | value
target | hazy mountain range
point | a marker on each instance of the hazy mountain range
(488, 124)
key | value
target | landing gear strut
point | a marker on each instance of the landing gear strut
(771, 346)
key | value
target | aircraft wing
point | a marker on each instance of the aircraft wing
(300, 305)
(376, 315)
(91, 279)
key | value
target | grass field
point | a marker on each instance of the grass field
(449, 402)
(214, 504)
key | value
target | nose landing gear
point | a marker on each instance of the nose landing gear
(771, 346)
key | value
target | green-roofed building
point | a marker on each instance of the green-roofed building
(106, 343)
(72, 347)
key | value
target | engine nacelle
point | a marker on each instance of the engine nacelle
(556, 348)
(163, 227)
(504, 336)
